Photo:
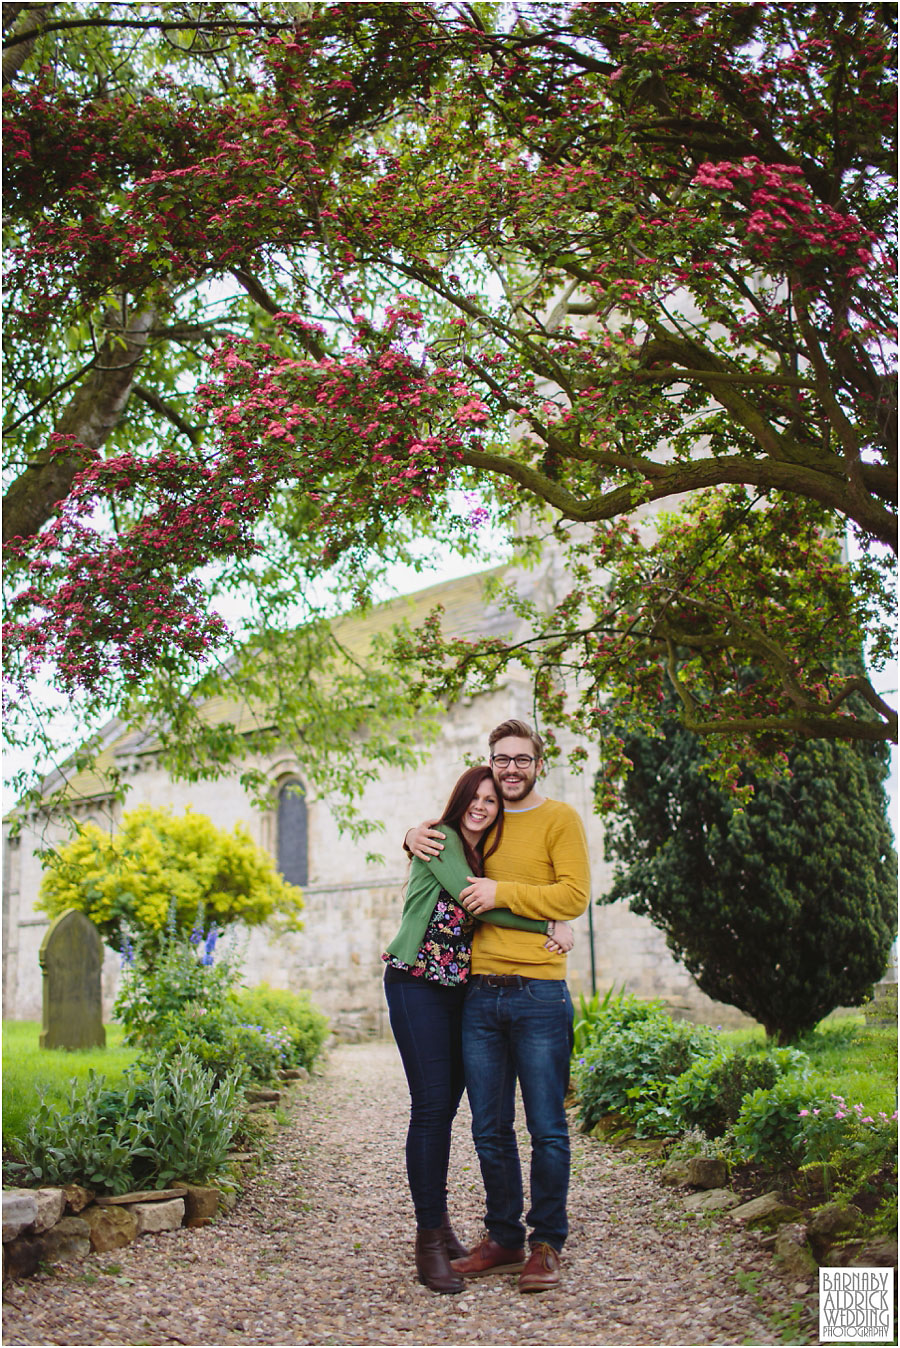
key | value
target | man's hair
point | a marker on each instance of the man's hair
(522, 731)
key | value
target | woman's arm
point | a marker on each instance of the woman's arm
(451, 870)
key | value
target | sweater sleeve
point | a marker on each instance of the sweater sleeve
(568, 895)
(449, 867)
(451, 870)
(505, 917)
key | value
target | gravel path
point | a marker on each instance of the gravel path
(319, 1251)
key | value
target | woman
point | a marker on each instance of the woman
(424, 983)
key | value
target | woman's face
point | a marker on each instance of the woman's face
(482, 809)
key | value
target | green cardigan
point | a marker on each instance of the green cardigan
(450, 871)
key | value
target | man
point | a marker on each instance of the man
(517, 1019)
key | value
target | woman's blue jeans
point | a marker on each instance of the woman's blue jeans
(426, 1020)
(522, 1033)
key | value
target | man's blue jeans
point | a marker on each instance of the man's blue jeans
(521, 1032)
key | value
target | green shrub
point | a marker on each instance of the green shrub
(174, 985)
(176, 1122)
(183, 994)
(710, 1093)
(638, 1047)
(593, 1014)
(289, 1014)
(222, 1043)
(160, 866)
(854, 1150)
(769, 1127)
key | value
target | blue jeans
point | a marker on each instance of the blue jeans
(522, 1033)
(426, 1020)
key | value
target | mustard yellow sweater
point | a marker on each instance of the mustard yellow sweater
(542, 869)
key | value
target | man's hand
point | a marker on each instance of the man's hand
(425, 841)
(479, 896)
(562, 938)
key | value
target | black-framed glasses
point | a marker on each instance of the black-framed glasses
(503, 760)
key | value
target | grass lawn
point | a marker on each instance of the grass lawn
(852, 1059)
(30, 1071)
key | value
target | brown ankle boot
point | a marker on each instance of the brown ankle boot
(432, 1264)
(455, 1247)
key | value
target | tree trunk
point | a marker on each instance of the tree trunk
(91, 416)
(24, 24)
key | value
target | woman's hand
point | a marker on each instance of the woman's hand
(425, 841)
(560, 937)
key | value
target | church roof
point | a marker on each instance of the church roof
(465, 614)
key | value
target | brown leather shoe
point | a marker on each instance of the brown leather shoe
(542, 1270)
(489, 1257)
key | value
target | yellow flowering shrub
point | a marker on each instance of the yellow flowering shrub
(158, 857)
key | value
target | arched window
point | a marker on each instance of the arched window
(293, 843)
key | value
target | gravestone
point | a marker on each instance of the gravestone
(71, 959)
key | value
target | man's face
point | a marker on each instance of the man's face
(514, 782)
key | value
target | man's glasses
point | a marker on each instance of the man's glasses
(503, 760)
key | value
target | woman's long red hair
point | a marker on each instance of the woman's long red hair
(461, 798)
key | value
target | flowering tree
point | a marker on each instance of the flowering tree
(578, 259)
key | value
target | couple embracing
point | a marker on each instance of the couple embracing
(477, 998)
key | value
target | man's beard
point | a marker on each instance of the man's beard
(518, 789)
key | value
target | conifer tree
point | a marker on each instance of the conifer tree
(786, 908)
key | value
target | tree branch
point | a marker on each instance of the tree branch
(143, 25)
(166, 410)
(257, 292)
(18, 47)
(90, 417)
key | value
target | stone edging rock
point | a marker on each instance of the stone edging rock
(48, 1225)
(801, 1242)
(52, 1224)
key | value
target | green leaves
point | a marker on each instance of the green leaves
(161, 866)
(177, 1122)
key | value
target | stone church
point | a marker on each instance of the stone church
(353, 905)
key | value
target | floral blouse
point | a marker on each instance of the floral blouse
(446, 950)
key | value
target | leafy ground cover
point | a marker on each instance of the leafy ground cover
(31, 1073)
(857, 1060)
(167, 1098)
(817, 1119)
